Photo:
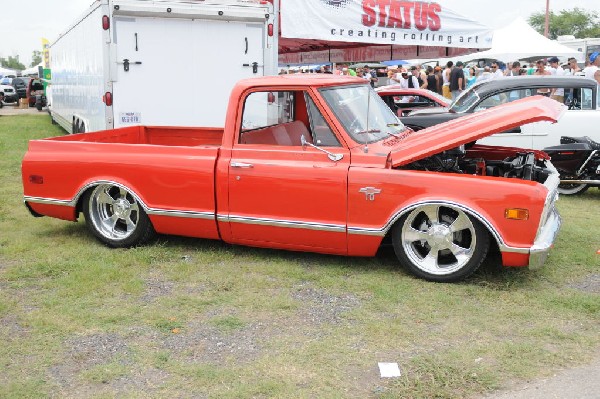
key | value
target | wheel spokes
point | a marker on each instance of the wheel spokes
(462, 222)
(412, 235)
(432, 213)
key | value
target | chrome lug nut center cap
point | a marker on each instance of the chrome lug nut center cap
(439, 234)
(121, 208)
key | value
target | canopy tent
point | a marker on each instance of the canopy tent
(34, 70)
(316, 31)
(7, 72)
(519, 41)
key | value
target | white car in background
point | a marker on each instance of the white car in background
(9, 92)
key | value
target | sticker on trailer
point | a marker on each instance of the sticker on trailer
(130, 117)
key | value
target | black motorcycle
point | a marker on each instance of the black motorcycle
(577, 159)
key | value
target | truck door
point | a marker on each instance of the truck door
(172, 71)
(283, 194)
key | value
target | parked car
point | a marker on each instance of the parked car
(302, 164)
(403, 101)
(9, 93)
(581, 117)
(20, 84)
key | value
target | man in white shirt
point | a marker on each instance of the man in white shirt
(593, 70)
(496, 71)
(556, 70)
(408, 81)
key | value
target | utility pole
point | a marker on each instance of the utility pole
(547, 18)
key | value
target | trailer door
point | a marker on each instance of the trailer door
(172, 71)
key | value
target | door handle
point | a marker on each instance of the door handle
(241, 165)
(254, 66)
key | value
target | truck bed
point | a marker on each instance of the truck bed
(152, 135)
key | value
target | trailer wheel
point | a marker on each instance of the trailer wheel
(115, 217)
(75, 127)
(81, 127)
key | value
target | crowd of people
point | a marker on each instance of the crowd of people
(451, 80)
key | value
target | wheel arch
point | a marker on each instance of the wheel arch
(494, 233)
(88, 187)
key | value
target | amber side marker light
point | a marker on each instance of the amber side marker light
(516, 214)
(36, 179)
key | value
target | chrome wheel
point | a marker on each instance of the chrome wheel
(440, 242)
(115, 216)
(114, 212)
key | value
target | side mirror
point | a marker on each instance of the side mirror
(330, 155)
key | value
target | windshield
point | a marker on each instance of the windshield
(465, 101)
(363, 113)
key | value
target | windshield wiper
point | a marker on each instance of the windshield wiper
(368, 131)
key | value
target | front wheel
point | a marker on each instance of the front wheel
(116, 217)
(440, 243)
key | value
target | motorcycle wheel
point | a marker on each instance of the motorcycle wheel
(572, 189)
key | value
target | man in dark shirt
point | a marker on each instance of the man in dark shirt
(457, 80)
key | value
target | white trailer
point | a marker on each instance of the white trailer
(586, 46)
(160, 63)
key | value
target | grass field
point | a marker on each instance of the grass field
(187, 318)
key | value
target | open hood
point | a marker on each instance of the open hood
(472, 127)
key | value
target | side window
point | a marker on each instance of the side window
(274, 118)
(322, 134)
(492, 101)
(586, 98)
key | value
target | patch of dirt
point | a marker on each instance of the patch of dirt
(201, 343)
(156, 288)
(87, 351)
(589, 284)
(10, 324)
(319, 306)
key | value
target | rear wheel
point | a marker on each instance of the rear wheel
(116, 217)
(440, 243)
(570, 188)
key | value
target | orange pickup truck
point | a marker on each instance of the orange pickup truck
(312, 163)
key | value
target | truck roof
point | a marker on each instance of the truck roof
(303, 79)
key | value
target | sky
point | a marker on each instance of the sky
(23, 23)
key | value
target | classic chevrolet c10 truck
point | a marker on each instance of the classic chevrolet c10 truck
(312, 163)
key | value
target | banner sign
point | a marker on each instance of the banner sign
(396, 22)
(356, 54)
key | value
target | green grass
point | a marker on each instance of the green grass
(185, 317)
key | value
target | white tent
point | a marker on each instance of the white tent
(519, 41)
(7, 72)
(31, 71)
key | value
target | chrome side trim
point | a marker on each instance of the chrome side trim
(382, 231)
(50, 201)
(149, 211)
(293, 224)
(181, 214)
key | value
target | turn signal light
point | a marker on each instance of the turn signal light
(270, 29)
(107, 99)
(516, 214)
(105, 22)
(36, 179)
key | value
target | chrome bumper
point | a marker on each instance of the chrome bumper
(541, 247)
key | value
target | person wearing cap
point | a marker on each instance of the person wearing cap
(593, 71)
(457, 80)
(556, 70)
